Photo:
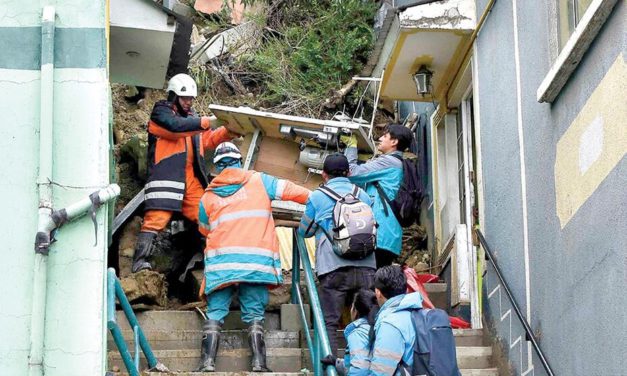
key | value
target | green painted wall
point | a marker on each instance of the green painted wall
(75, 325)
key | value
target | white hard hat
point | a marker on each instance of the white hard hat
(182, 85)
(226, 150)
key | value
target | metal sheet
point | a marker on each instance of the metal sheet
(241, 120)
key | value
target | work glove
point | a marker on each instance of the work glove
(349, 141)
(215, 122)
(328, 360)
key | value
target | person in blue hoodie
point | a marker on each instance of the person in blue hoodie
(393, 328)
(359, 336)
(340, 278)
(382, 176)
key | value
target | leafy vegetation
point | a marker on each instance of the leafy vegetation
(308, 49)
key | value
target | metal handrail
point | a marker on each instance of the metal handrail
(319, 347)
(529, 333)
(114, 290)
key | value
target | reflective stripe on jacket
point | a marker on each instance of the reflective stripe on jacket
(394, 334)
(357, 358)
(235, 215)
(176, 146)
(387, 171)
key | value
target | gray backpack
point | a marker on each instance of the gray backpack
(354, 227)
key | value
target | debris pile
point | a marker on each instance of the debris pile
(414, 252)
(146, 287)
(290, 57)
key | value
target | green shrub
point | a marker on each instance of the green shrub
(317, 47)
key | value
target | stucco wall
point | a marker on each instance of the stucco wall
(74, 328)
(571, 277)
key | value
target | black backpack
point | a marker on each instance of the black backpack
(434, 349)
(406, 205)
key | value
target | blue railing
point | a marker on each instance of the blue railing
(114, 290)
(319, 346)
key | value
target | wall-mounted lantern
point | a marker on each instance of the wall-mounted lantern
(422, 79)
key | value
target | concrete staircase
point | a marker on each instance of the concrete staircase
(175, 338)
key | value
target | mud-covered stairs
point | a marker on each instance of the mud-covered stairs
(175, 338)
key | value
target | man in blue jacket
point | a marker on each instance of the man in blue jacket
(382, 176)
(339, 277)
(394, 331)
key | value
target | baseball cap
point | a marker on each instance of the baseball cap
(335, 164)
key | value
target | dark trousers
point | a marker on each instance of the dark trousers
(336, 291)
(384, 257)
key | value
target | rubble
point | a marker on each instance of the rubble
(414, 251)
(147, 287)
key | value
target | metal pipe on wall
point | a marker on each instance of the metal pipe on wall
(38, 312)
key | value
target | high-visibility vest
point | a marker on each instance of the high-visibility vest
(170, 138)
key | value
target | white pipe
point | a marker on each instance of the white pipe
(76, 210)
(38, 312)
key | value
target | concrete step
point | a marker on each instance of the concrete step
(480, 372)
(235, 339)
(437, 294)
(237, 360)
(190, 339)
(474, 357)
(468, 357)
(465, 372)
(463, 337)
(191, 373)
(188, 320)
(285, 360)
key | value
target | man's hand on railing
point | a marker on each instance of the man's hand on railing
(328, 360)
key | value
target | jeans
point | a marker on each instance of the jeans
(253, 300)
(336, 291)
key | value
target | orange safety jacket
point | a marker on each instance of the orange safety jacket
(235, 215)
(172, 140)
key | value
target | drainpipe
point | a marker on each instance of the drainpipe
(58, 218)
(35, 362)
(49, 221)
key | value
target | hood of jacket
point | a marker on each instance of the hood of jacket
(401, 303)
(229, 181)
(354, 325)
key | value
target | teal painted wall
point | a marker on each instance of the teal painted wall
(75, 322)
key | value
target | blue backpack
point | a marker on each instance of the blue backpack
(434, 348)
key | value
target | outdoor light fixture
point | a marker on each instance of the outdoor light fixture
(422, 79)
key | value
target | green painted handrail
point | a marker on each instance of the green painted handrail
(114, 290)
(320, 346)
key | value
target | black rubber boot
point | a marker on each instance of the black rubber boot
(258, 346)
(143, 249)
(209, 346)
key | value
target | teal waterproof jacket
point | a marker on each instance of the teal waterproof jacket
(356, 361)
(394, 334)
(387, 171)
(319, 214)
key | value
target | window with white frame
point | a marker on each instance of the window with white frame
(578, 22)
(570, 13)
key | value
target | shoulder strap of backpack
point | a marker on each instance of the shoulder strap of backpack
(385, 198)
(355, 191)
(319, 227)
(400, 158)
(329, 192)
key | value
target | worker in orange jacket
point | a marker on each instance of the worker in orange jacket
(177, 139)
(242, 250)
